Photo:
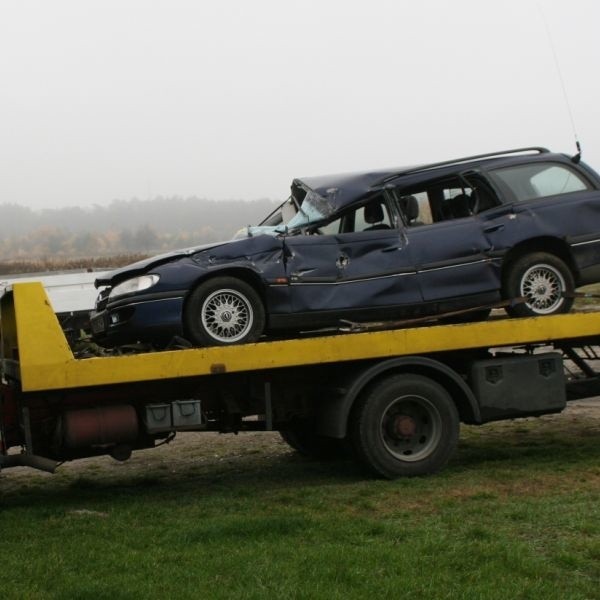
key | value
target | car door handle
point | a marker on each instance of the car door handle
(498, 227)
(392, 249)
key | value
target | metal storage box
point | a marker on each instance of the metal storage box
(186, 413)
(158, 418)
(519, 386)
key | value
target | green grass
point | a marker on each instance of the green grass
(515, 515)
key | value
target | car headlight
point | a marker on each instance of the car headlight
(137, 284)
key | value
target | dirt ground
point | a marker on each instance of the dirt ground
(205, 451)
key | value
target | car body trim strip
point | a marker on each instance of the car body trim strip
(464, 264)
(130, 299)
(596, 241)
(359, 280)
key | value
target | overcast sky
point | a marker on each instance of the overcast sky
(118, 99)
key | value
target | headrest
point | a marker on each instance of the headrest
(373, 213)
(461, 206)
(410, 207)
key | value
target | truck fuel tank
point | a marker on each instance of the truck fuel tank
(100, 427)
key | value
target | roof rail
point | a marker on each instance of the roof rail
(457, 161)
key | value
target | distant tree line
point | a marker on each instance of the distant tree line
(43, 265)
(121, 228)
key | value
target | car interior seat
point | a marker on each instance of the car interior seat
(481, 199)
(410, 209)
(374, 216)
(459, 206)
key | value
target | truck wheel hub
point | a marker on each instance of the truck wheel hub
(405, 426)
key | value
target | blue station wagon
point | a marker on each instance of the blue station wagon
(375, 245)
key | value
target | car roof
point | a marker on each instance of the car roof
(344, 189)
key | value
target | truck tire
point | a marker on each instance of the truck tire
(224, 311)
(404, 425)
(542, 278)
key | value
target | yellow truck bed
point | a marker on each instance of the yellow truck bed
(33, 339)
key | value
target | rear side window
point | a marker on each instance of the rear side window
(527, 182)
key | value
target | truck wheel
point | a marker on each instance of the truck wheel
(542, 278)
(223, 311)
(404, 425)
(302, 438)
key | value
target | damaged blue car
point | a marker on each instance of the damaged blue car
(375, 245)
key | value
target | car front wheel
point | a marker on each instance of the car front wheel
(224, 311)
(544, 280)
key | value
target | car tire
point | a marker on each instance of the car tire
(543, 279)
(404, 425)
(224, 311)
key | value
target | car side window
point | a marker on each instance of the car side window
(375, 215)
(372, 216)
(456, 202)
(331, 228)
(538, 180)
(440, 200)
(415, 209)
(483, 196)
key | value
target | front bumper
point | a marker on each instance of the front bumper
(152, 321)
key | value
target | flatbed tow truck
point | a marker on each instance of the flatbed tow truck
(395, 397)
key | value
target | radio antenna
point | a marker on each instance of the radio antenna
(577, 156)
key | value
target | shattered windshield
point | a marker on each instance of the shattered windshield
(303, 208)
(314, 208)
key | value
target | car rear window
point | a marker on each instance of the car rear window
(538, 180)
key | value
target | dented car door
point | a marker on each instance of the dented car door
(453, 259)
(350, 270)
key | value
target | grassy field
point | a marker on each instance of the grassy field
(515, 515)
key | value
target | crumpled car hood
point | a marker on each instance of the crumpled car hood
(142, 266)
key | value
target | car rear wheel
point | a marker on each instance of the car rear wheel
(544, 280)
(224, 311)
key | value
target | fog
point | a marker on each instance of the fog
(135, 99)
